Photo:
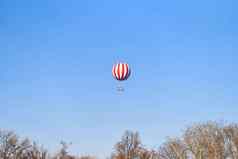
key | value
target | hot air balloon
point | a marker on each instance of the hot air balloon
(121, 72)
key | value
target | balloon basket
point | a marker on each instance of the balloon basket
(120, 89)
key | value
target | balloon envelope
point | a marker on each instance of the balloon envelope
(121, 71)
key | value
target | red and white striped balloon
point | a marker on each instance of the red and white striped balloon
(121, 71)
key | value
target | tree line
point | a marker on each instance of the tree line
(209, 140)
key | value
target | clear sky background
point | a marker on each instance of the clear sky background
(56, 58)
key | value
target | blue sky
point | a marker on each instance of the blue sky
(56, 59)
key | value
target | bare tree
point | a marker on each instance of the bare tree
(63, 153)
(172, 149)
(10, 145)
(205, 141)
(36, 152)
(129, 146)
(86, 157)
(231, 141)
(209, 140)
(144, 153)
